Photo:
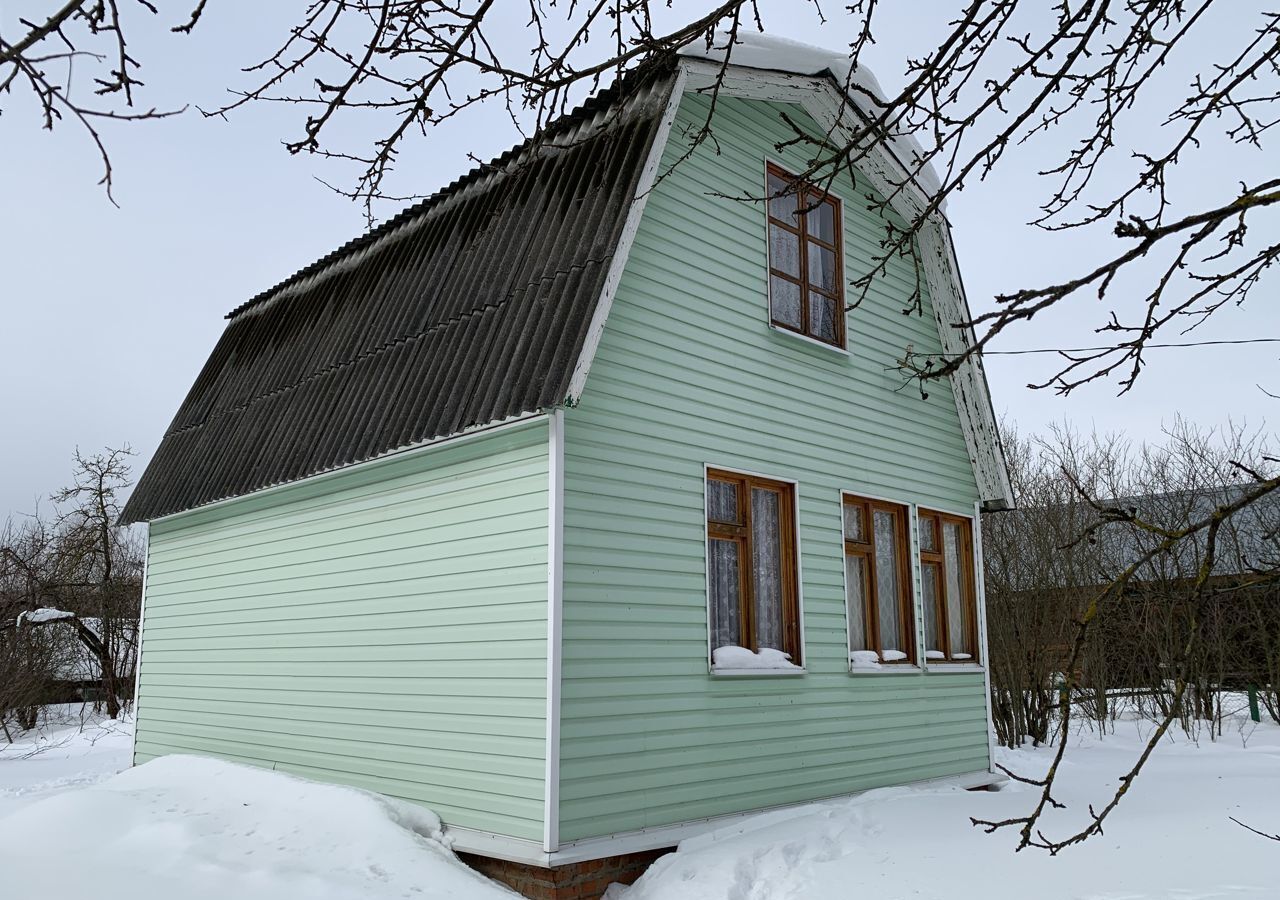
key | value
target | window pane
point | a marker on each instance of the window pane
(887, 582)
(784, 301)
(855, 590)
(766, 566)
(928, 534)
(784, 251)
(956, 593)
(929, 587)
(822, 317)
(821, 220)
(783, 207)
(853, 529)
(822, 267)
(722, 501)
(724, 583)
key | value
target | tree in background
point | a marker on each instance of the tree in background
(74, 569)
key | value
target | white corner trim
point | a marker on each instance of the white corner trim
(648, 177)
(555, 625)
(137, 661)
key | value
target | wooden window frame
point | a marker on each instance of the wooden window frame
(968, 581)
(867, 551)
(806, 194)
(741, 534)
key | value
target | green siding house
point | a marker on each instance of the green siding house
(574, 504)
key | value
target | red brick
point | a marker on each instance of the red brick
(585, 880)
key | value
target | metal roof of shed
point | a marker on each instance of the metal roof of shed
(467, 308)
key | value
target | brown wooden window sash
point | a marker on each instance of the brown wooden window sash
(934, 523)
(740, 532)
(864, 549)
(808, 198)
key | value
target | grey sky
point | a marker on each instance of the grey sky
(109, 313)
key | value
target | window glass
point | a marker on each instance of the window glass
(784, 252)
(785, 301)
(956, 625)
(722, 501)
(820, 221)
(930, 584)
(855, 586)
(725, 586)
(782, 204)
(766, 553)
(822, 317)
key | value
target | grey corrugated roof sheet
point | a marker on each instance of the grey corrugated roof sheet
(467, 308)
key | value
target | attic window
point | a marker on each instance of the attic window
(947, 588)
(806, 289)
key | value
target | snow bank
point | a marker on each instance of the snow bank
(732, 657)
(196, 828)
(1170, 838)
(763, 51)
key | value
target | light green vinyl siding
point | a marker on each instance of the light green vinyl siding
(383, 627)
(689, 373)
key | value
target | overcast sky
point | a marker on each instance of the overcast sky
(109, 313)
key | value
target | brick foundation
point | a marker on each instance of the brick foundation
(575, 881)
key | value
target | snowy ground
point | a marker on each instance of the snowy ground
(197, 828)
(1170, 839)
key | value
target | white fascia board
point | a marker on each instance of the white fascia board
(648, 177)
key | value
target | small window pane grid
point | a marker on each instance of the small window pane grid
(752, 570)
(948, 589)
(806, 292)
(878, 580)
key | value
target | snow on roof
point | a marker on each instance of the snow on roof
(763, 51)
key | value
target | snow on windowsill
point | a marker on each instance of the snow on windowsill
(732, 660)
(867, 662)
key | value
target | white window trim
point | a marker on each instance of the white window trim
(768, 264)
(912, 541)
(727, 672)
(959, 667)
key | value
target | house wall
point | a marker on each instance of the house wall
(383, 627)
(689, 373)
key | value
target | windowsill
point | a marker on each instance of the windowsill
(944, 668)
(808, 341)
(757, 673)
(887, 670)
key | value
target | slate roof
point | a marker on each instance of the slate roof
(467, 308)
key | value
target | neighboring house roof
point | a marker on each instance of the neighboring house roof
(486, 302)
(467, 308)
